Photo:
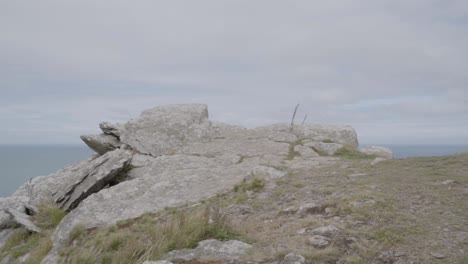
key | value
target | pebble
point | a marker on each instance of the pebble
(319, 241)
(437, 255)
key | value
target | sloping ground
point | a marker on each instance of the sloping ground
(344, 211)
(412, 210)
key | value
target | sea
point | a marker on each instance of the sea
(19, 163)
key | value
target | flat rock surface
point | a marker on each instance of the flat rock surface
(224, 251)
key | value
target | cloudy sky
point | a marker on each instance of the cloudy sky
(395, 70)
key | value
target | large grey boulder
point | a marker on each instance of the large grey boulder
(92, 178)
(165, 129)
(111, 129)
(378, 151)
(101, 143)
(225, 252)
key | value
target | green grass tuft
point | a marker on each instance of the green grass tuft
(350, 153)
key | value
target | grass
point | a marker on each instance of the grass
(350, 153)
(49, 216)
(255, 185)
(291, 152)
(147, 238)
(36, 244)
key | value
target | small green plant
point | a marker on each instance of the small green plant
(48, 216)
(327, 141)
(350, 153)
(292, 153)
(255, 185)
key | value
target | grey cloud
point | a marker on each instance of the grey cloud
(70, 65)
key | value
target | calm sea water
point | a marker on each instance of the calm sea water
(19, 163)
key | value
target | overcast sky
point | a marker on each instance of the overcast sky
(396, 70)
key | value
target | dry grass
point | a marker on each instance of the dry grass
(36, 244)
(146, 238)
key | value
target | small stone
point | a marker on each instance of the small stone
(293, 258)
(387, 257)
(323, 231)
(288, 211)
(319, 241)
(448, 182)
(437, 255)
(158, 262)
(310, 208)
(377, 160)
(306, 152)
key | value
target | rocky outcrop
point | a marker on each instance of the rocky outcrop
(377, 151)
(99, 173)
(224, 252)
(170, 156)
(165, 129)
(327, 149)
(23, 219)
(101, 143)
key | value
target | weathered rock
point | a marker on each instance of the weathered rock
(228, 251)
(319, 241)
(111, 129)
(158, 262)
(322, 231)
(152, 188)
(437, 255)
(328, 149)
(288, 211)
(340, 134)
(9, 260)
(101, 143)
(94, 177)
(6, 220)
(5, 234)
(241, 147)
(292, 258)
(165, 129)
(23, 219)
(310, 208)
(377, 160)
(266, 172)
(387, 257)
(276, 132)
(381, 152)
(305, 152)
(43, 188)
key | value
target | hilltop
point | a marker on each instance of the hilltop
(160, 184)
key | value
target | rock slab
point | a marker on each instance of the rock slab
(97, 175)
(228, 251)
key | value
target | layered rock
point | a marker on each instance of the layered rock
(378, 151)
(101, 143)
(176, 156)
(99, 173)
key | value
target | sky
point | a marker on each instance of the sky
(396, 70)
